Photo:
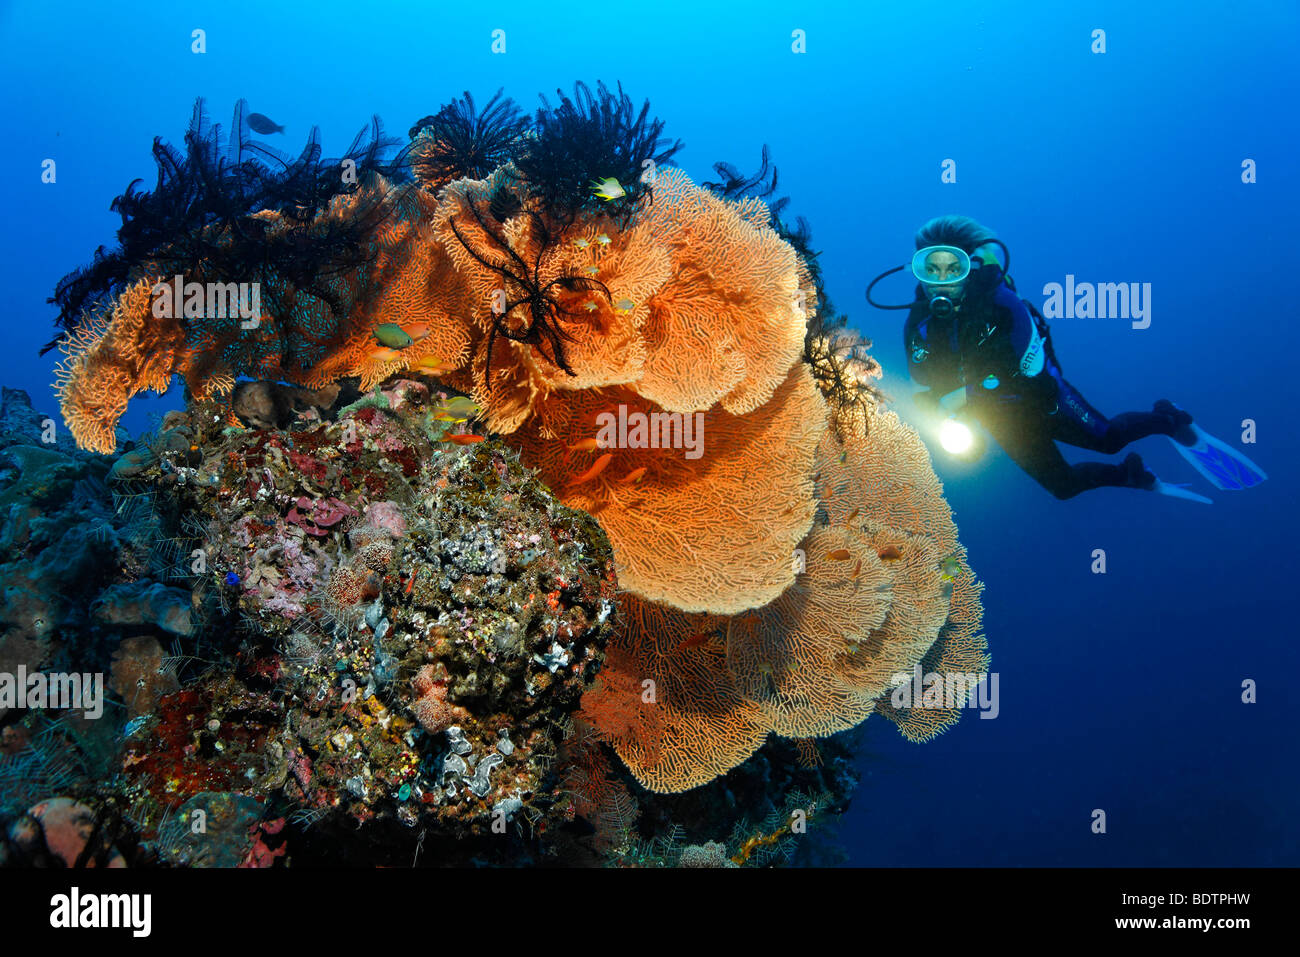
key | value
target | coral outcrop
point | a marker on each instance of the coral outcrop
(664, 407)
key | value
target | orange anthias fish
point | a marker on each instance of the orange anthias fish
(463, 439)
(591, 473)
(585, 445)
(384, 354)
(417, 330)
(433, 364)
(839, 555)
(694, 641)
(852, 515)
(633, 476)
(890, 553)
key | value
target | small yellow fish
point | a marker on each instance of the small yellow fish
(590, 306)
(603, 239)
(949, 568)
(608, 189)
(624, 305)
(457, 409)
(592, 270)
(384, 354)
(582, 243)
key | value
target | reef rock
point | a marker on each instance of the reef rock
(417, 617)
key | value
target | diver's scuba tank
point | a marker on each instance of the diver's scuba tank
(1044, 330)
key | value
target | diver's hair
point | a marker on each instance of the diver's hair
(960, 231)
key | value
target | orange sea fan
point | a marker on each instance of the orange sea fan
(712, 533)
(790, 656)
(699, 303)
(453, 214)
(890, 466)
(110, 358)
(605, 345)
(412, 282)
(597, 317)
(874, 598)
(961, 648)
(691, 724)
(727, 324)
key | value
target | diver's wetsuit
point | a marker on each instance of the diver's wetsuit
(1027, 405)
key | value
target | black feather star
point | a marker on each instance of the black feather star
(200, 218)
(542, 313)
(588, 138)
(459, 141)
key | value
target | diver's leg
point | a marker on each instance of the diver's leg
(1078, 423)
(1028, 441)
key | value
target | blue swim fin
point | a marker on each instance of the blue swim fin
(1222, 465)
(1174, 490)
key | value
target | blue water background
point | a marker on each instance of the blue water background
(1118, 691)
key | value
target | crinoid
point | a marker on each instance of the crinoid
(842, 368)
(542, 313)
(210, 218)
(588, 138)
(736, 185)
(460, 141)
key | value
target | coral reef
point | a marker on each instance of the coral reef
(561, 498)
(61, 542)
(432, 622)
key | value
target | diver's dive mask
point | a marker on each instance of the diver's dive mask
(942, 272)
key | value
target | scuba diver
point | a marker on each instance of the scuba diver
(985, 353)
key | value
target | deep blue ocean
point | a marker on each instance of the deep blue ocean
(1120, 691)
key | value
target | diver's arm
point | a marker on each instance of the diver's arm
(927, 365)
